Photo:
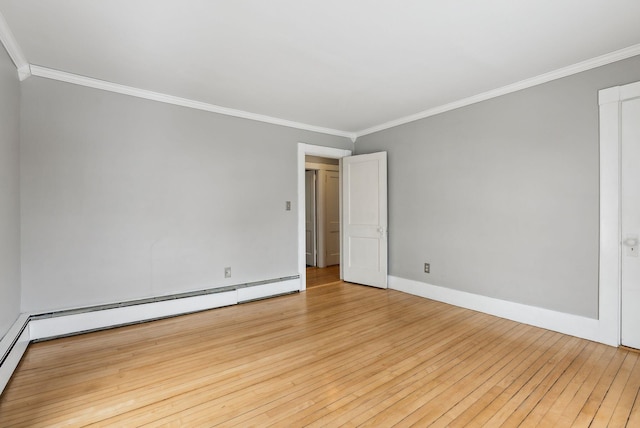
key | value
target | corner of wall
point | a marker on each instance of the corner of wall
(10, 286)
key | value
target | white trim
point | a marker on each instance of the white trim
(89, 82)
(13, 351)
(10, 335)
(321, 167)
(25, 70)
(13, 359)
(267, 290)
(609, 257)
(13, 49)
(574, 325)
(610, 224)
(630, 91)
(523, 84)
(311, 150)
(96, 320)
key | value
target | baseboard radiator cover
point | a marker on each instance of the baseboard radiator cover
(30, 328)
(12, 347)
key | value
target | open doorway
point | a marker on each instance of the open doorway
(363, 213)
(322, 220)
(329, 157)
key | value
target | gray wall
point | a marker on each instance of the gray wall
(501, 197)
(125, 198)
(9, 193)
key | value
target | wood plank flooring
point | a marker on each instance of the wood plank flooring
(338, 355)
(322, 276)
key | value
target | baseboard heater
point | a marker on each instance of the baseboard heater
(30, 328)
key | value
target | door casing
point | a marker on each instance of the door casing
(309, 150)
(630, 223)
(608, 327)
(310, 228)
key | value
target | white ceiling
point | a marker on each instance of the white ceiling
(347, 65)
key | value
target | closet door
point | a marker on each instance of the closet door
(630, 218)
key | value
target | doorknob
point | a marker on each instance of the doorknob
(381, 231)
(631, 243)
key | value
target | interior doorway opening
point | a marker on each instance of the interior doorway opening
(322, 220)
(324, 158)
(322, 211)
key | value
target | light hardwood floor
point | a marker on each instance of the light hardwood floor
(322, 276)
(339, 355)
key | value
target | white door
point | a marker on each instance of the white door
(332, 218)
(310, 217)
(630, 290)
(364, 205)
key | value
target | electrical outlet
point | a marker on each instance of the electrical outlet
(287, 206)
(427, 268)
(227, 272)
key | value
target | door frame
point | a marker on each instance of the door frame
(610, 262)
(314, 216)
(311, 150)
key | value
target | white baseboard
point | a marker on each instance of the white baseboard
(87, 321)
(101, 319)
(12, 347)
(273, 289)
(574, 325)
(29, 327)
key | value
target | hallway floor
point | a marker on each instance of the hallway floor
(322, 276)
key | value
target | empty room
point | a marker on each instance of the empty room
(319, 213)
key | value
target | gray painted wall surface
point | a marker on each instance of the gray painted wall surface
(501, 197)
(9, 193)
(125, 198)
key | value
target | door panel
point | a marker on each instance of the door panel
(630, 287)
(365, 253)
(364, 204)
(332, 218)
(365, 201)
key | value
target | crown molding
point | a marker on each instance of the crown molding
(13, 49)
(75, 79)
(25, 70)
(523, 84)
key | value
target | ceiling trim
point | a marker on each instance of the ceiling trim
(75, 79)
(25, 70)
(523, 84)
(13, 49)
